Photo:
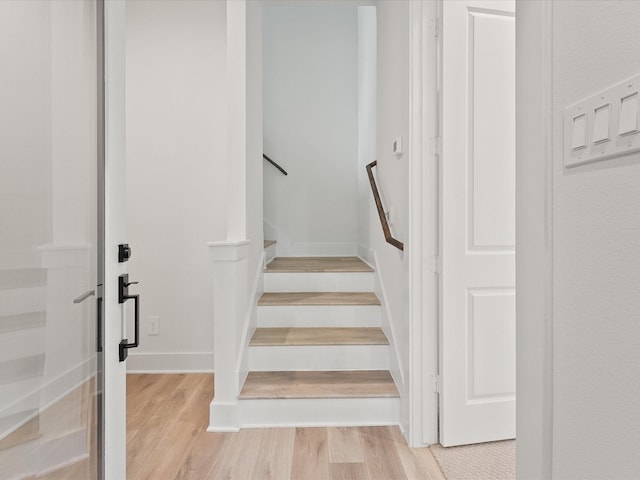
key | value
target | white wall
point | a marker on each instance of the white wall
(392, 174)
(596, 240)
(311, 127)
(25, 133)
(176, 168)
(367, 89)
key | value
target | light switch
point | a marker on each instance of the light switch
(603, 126)
(579, 132)
(628, 114)
(602, 116)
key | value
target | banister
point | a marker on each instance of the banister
(282, 170)
(383, 219)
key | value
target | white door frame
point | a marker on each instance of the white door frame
(115, 436)
(423, 244)
(534, 236)
(534, 228)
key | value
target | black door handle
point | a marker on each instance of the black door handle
(123, 296)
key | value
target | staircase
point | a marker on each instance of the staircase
(318, 355)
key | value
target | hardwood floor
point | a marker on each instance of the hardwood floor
(317, 264)
(167, 417)
(319, 336)
(318, 298)
(319, 384)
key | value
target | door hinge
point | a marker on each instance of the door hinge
(435, 26)
(434, 265)
(436, 145)
(437, 386)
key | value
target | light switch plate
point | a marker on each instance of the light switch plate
(603, 126)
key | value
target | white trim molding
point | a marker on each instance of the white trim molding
(534, 247)
(230, 294)
(422, 246)
(170, 362)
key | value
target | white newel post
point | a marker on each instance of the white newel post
(229, 309)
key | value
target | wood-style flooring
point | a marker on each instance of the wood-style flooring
(317, 264)
(167, 417)
(319, 336)
(319, 384)
(318, 298)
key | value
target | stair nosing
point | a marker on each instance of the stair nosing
(277, 393)
(316, 301)
(319, 331)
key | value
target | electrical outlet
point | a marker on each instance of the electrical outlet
(154, 325)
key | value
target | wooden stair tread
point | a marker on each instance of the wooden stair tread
(317, 265)
(319, 384)
(268, 243)
(319, 336)
(318, 298)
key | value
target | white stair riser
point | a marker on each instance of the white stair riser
(319, 282)
(319, 412)
(318, 357)
(270, 252)
(23, 300)
(319, 316)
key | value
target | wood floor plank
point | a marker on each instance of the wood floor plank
(152, 429)
(275, 457)
(201, 457)
(238, 455)
(344, 445)
(318, 298)
(319, 336)
(179, 446)
(319, 384)
(191, 419)
(317, 264)
(381, 457)
(148, 398)
(418, 463)
(349, 471)
(310, 455)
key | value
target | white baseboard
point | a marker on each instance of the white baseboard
(301, 249)
(366, 255)
(174, 362)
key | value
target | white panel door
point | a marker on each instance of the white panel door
(477, 343)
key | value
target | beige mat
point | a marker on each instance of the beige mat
(483, 461)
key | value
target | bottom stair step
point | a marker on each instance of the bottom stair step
(319, 384)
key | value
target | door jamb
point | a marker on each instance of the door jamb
(534, 239)
(423, 242)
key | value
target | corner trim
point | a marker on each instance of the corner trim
(534, 239)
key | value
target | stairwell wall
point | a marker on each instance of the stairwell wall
(177, 174)
(311, 128)
(393, 180)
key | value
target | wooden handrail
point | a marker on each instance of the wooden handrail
(383, 219)
(282, 170)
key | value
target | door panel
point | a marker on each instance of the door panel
(478, 223)
(49, 241)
